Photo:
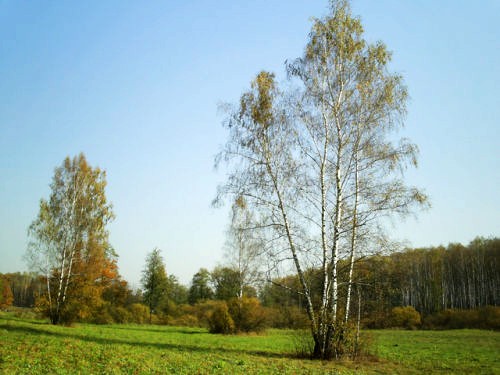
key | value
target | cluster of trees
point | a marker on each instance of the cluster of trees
(313, 167)
(432, 280)
(20, 289)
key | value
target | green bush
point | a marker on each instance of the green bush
(220, 320)
(405, 317)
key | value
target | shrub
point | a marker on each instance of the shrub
(405, 317)
(487, 317)
(139, 313)
(102, 316)
(202, 310)
(247, 313)
(287, 317)
(120, 314)
(186, 320)
(344, 343)
(220, 320)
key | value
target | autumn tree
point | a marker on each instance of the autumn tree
(6, 297)
(69, 241)
(154, 282)
(317, 163)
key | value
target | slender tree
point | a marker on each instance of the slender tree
(244, 248)
(69, 241)
(154, 282)
(316, 164)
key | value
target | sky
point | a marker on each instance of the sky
(135, 86)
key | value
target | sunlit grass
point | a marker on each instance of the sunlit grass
(31, 346)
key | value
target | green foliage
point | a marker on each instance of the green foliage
(220, 321)
(200, 289)
(177, 293)
(154, 282)
(405, 317)
(226, 283)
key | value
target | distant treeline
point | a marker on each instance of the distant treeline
(430, 280)
(435, 279)
(433, 283)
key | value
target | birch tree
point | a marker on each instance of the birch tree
(316, 162)
(69, 241)
(244, 247)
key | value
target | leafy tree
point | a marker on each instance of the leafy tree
(317, 165)
(69, 241)
(200, 287)
(227, 284)
(154, 282)
(177, 293)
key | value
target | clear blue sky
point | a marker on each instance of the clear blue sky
(135, 86)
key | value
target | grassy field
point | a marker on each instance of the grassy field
(35, 347)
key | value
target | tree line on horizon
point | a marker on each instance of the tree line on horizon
(439, 284)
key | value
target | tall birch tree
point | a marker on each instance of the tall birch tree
(317, 163)
(69, 240)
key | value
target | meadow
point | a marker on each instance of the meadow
(31, 346)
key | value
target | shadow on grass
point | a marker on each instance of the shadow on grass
(144, 344)
(24, 320)
(183, 330)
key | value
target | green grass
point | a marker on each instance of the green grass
(35, 347)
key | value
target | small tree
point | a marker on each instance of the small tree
(154, 282)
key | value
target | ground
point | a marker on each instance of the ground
(30, 346)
